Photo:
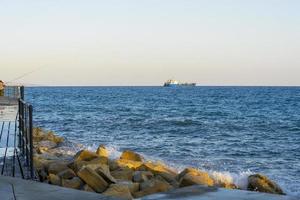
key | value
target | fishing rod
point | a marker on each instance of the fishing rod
(25, 74)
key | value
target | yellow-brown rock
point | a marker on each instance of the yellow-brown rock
(152, 186)
(260, 183)
(95, 163)
(129, 164)
(54, 179)
(104, 172)
(67, 174)
(142, 176)
(124, 174)
(102, 151)
(185, 171)
(133, 187)
(56, 167)
(74, 183)
(85, 155)
(130, 155)
(196, 178)
(40, 163)
(156, 168)
(94, 180)
(119, 191)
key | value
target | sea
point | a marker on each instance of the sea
(230, 132)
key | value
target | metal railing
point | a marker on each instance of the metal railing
(14, 92)
(25, 136)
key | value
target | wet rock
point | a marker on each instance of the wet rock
(119, 191)
(47, 144)
(192, 176)
(41, 150)
(142, 176)
(102, 151)
(40, 163)
(130, 155)
(170, 178)
(93, 179)
(152, 186)
(39, 135)
(54, 179)
(260, 183)
(85, 155)
(67, 174)
(56, 167)
(124, 174)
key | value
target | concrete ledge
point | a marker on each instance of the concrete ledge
(19, 189)
(213, 193)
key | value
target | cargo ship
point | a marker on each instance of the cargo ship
(175, 83)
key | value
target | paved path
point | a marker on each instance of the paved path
(212, 193)
(19, 189)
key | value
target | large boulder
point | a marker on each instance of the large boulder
(85, 155)
(133, 187)
(124, 174)
(102, 151)
(74, 183)
(119, 191)
(67, 174)
(142, 176)
(95, 163)
(47, 144)
(152, 186)
(156, 168)
(191, 176)
(130, 155)
(129, 164)
(54, 179)
(87, 188)
(93, 179)
(260, 183)
(104, 172)
(57, 167)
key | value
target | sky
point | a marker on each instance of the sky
(146, 42)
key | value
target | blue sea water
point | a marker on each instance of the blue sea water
(229, 131)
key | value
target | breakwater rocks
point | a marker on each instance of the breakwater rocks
(127, 177)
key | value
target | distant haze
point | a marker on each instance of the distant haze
(146, 42)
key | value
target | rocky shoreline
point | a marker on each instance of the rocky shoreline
(128, 177)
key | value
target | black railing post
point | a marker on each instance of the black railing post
(22, 92)
(31, 141)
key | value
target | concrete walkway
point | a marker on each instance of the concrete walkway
(19, 189)
(212, 193)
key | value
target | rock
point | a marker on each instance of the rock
(47, 144)
(226, 185)
(104, 172)
(52, 137)
(93, 179)
(133, 187)
(130, 155)
(119, 191)
(67, 174)
(42, 175)
(129, 164)
(152, 186)
(260, 183)
(95, 163)
(142, 176)
(200, 178)
(170, 178)
(185, 171)
(40, 163)
(102, 151)
(74, 183)
(54, 179)
(56, 167)
(39, 135)
(124, 174)
(87, 188)
(41, 150)
(156, 168)
(85, 155)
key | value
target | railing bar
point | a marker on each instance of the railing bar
(15, 146)
(1, 131)
(20, 165)
(4, 159)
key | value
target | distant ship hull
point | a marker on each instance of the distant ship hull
(180, 85)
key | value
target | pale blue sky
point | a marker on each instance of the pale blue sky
(139, 42)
